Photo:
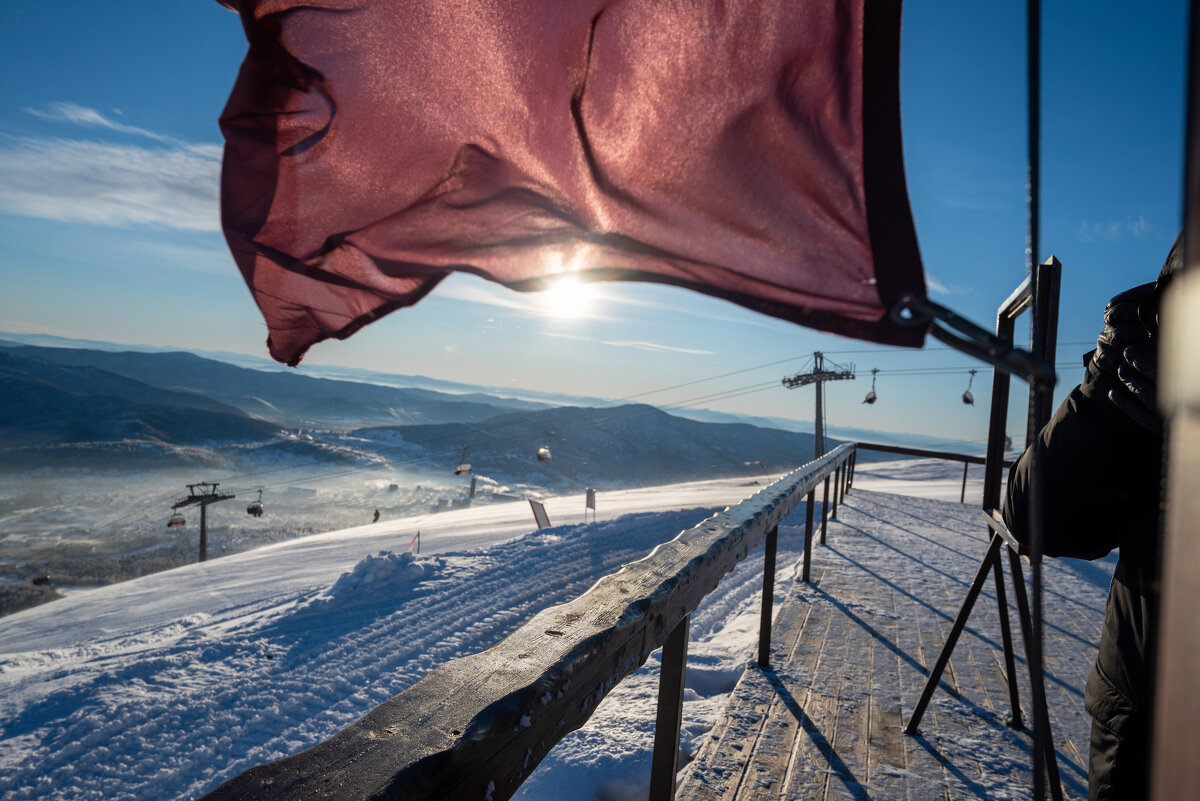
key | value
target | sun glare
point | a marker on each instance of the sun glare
(568, 298)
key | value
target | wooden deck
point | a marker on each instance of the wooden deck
(849, 657)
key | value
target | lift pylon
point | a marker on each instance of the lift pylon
(819, 375)
(203, 493)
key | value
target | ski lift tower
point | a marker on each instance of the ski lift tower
(203, 493)
(819, 375)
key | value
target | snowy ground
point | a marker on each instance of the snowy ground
(162, 687)
(923, 478)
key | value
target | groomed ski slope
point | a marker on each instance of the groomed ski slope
(162, 687)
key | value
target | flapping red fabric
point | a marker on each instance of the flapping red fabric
(747, 150)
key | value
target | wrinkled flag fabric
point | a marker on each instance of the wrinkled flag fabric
(747, 150)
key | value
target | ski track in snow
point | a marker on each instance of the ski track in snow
(177, 720)
(173, 704)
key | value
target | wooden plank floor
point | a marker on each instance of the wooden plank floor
(849, 657)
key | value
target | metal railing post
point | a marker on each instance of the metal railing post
(665, 761)
(825, 511)
(768, 599)
(963, 498)
(808, 532)
(836, 482)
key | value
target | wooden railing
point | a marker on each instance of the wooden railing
(965, 458)
(476, 727)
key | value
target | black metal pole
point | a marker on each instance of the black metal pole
(963, 498)
(808, 532)
(1010, 662)
(1033, 53)
(768, 598)
(203, 531)
(665, 760)
(825, 511)
(836, 481)
(960, 622)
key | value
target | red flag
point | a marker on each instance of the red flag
(747, 150)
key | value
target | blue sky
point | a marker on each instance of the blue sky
(109, 158)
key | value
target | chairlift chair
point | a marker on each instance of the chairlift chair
(464, 466)
(870, 398)
(968, 398)
(176, 520)
(255, 509)
(543, 453)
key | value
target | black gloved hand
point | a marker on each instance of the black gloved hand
(1139, 378)
(1124, 367)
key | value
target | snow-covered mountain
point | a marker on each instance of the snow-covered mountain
(164, 686)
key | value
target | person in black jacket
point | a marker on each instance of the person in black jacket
(1102, 456)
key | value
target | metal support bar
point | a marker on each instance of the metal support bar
(1047, 762)
(808, 532)
(961, 334)
(203, 532)
(963, 497)
(836, 482)
(665, 761)
(1010, 661)
(768, 598)
(960, 622)
(825, 511)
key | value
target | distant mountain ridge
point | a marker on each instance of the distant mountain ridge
(64, 407)
(287, 399)
(507, 397)
(627, 446)
(43, 403)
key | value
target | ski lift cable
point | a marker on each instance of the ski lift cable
(710, 397)
(507, 441)
(727, 394)
(721, 395)
(606, 404)
(896, 350)
(724, 394)
(502, 442)
(138, 517)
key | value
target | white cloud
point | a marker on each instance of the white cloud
(572, 337)
(651, 346)
(471, 289)
(636, 345)
(1138, 228)
(82, 115)
(114, 185)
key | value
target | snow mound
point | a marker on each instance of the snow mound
(380, 573)
(385, 576)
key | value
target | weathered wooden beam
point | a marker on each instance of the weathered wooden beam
(475, 727)
(664, 763)
(768, 598)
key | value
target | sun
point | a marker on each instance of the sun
(568, 298)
